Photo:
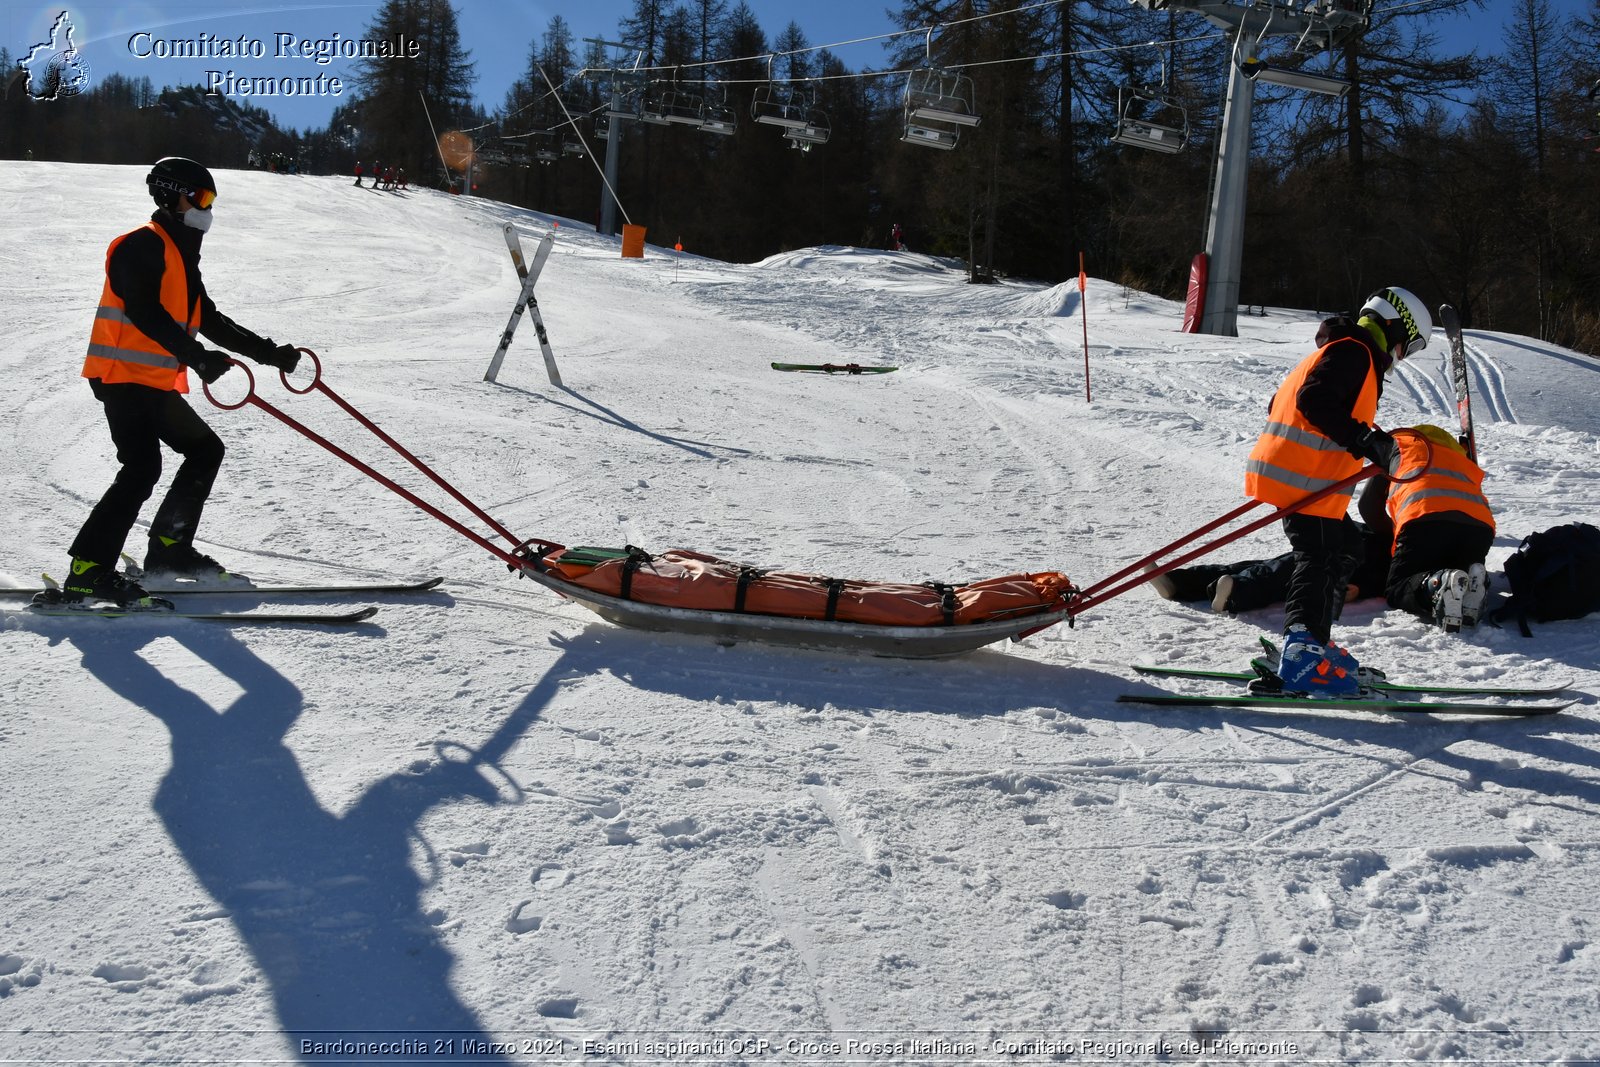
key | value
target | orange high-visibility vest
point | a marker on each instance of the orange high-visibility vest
(1452, 482)
(1292, 458)
(119, 351)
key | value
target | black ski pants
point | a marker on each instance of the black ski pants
(141, 420)
(1432, 543)
(1317, 580)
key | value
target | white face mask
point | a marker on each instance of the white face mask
(196, 219)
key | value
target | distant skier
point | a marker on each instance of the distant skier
(143, 343)
(1320, 426)
(358, 174)
(897, 239)
(1442, 529)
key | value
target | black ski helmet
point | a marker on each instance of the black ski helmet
(175, 176)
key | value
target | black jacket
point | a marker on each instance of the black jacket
(1329, 393)
(135, 270)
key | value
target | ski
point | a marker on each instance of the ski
(248, 618)
(1458, 373)
(1263, 671)
(833, 368)
(1408, 707)
(352, 589)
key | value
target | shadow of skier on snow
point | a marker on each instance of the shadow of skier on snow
(328, 904)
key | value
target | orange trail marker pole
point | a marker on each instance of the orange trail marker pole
(1083, 309)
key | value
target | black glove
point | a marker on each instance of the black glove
(1379, 447)
(211, 366)
(285, 357)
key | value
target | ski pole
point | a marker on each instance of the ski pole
(250, 397)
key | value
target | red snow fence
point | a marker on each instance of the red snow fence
(679, 578)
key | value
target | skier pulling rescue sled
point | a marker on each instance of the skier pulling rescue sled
(690, 592)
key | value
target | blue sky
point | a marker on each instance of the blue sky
(497, 33)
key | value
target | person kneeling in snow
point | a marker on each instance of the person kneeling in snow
(1442, 529)
(143, 344)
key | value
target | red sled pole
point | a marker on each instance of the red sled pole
(1097, 593)
(509, 558)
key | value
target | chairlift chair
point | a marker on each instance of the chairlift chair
(545, 150)
(780, 105)
(602, 127)
(719, 119)
(572, 146)
(683, 108)
(941, 96)
(1164, 127)
(930, 136)
(815, 131)
(653, 108)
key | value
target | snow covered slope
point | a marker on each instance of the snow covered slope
(491, 817)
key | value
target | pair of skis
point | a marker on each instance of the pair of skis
(526, 302)
(1378, 693)
(46, 600)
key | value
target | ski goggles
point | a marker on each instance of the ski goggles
(202, 198)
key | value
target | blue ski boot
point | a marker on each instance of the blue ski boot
(1312, 669)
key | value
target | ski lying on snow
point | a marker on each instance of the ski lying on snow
(326, 618)
(267, 590)
(1410, 707)
(833, 368)
(1379, 684)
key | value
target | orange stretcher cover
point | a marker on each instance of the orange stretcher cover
(683, 579)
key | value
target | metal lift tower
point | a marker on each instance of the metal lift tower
(1317, 25)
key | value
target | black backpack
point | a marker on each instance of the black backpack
(1554, 574)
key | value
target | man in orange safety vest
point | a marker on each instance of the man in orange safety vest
(1321, 425)
(142, 346)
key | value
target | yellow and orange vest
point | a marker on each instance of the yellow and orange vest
(1292, 458)
(1452, 482)
(119, 351)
